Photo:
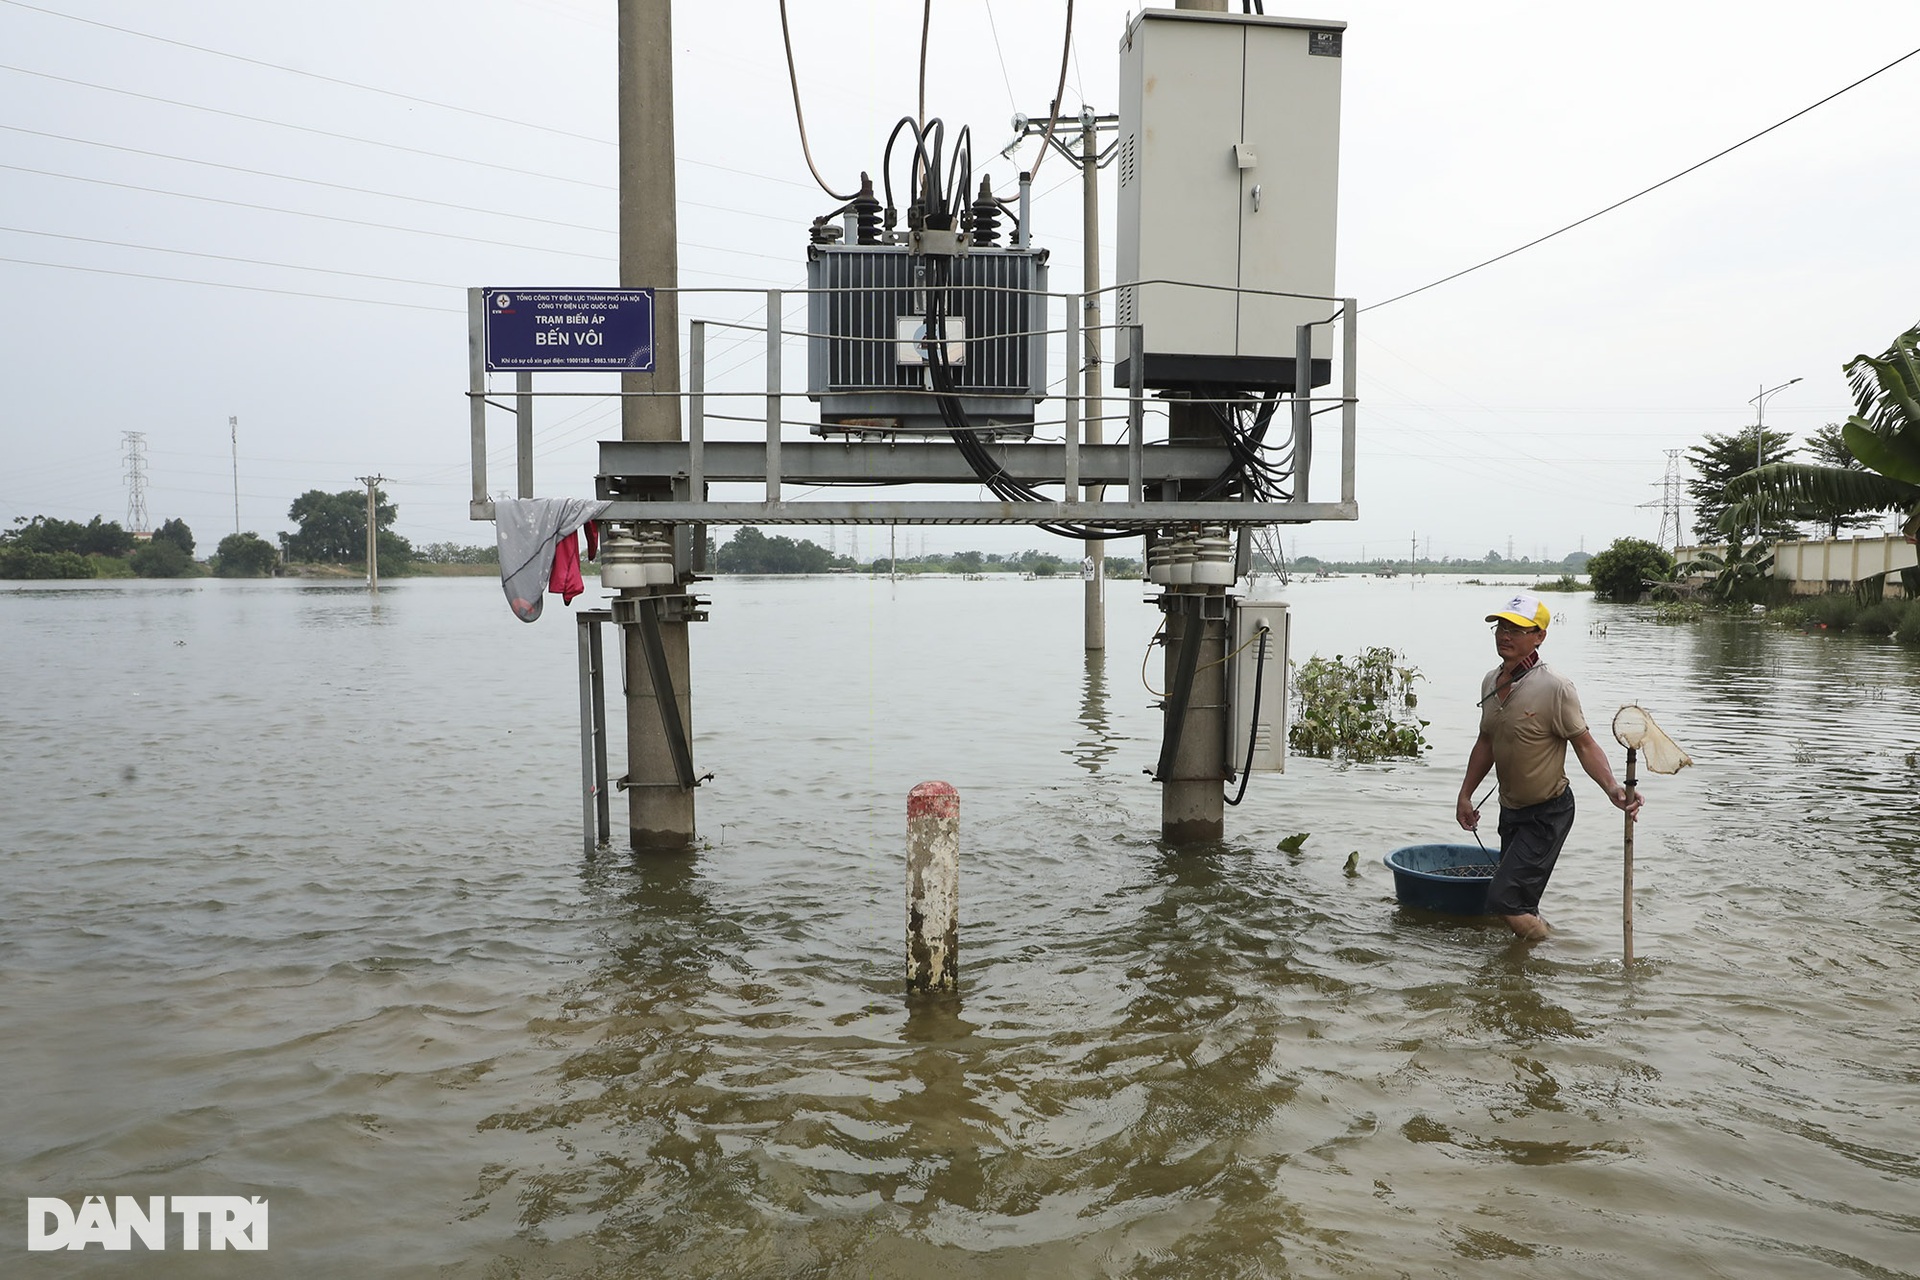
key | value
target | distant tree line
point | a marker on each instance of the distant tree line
(752, 551)
(1493, 562)
(454, 553)
(47, 547)
(332, 529)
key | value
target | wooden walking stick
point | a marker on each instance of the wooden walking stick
(1626, 883)
(1635, 730)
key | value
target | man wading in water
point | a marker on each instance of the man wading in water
(1529, 715)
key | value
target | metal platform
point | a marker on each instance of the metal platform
(677, 476)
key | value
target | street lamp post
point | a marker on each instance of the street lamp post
(1759, 404)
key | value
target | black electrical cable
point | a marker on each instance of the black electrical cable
(886, 157)
(799, 117)
(1053, 114)
(1259, 670)
(940, 374)
(1248, 470)
(939, 198)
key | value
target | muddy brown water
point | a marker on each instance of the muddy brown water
(295, 907)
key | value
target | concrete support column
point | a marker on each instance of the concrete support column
(1193, 795)
(1192, 792)
(649, 229)
(660, 811)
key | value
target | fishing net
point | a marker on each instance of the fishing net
(1634, 729)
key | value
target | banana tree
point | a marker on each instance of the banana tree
(1884, 435)
(1742, 575)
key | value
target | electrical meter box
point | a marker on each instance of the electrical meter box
(1262, 661)
(1229, 169)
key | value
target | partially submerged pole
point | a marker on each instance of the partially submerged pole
(933, 888)
(1192, 802)
(660, 809)
(1095, 623)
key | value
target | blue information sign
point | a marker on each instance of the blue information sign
(604, 329)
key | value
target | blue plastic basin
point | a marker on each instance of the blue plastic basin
(1416, 886)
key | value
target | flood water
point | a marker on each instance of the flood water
(295, 906)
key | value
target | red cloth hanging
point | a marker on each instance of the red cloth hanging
(566, 579)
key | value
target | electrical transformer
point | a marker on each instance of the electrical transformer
(866, 308)
(1228, 174)
(1264, 664)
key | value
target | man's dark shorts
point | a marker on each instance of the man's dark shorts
(1530, 841)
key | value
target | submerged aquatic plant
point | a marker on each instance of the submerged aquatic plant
(1356, 710)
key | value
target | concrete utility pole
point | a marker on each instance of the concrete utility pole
(523, 428)
(1089, 160)
(233, 429)
(1759, 404)
(1096, 603)
(373, 557)
(660, 811)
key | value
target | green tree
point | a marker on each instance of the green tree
(245, 555)
(1827, 448)
(751, 551)
(1884, 436)
(1721, 460)
(177, 533)
(968, 562)
(161, 558)
(47, 535)
(1622, 571)
(333, 526)
(1041, 564)
(23, 562)
(395, 552)
(1744, 575)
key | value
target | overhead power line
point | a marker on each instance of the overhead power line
(311, 75)
(250, 118)
(300, 213)
(1000, 53)
(310, 182)
(217, 284)
(224, 257)
(1636, 195)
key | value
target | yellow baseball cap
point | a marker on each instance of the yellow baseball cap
(1523, 610)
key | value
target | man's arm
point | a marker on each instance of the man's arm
(1479, 760)
(1595, 762)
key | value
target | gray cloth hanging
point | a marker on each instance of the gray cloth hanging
(528, 530)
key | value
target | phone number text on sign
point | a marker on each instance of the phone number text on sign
(597, 329)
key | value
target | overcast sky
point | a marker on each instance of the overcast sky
(216, 209)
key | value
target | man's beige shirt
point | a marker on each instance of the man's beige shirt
(1529, 734)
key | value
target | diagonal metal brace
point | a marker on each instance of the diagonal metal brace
(1180, 692)
(648, 616)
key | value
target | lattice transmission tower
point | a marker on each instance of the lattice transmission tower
(136, 460)
(1672, 504)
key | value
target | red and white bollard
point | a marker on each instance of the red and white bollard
(933, 888)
